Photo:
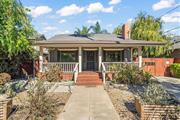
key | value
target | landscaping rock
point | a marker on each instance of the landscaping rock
(123, 101)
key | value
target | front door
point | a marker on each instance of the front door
(90, 60)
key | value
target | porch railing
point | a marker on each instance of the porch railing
(108, 65)
(65, 66)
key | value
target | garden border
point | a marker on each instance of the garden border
(154, 111)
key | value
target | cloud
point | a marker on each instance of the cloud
(113, 2)
(62, 21)
(98, 7)
(39, 10)
(49, 28)
(173, 17)
(93, 21)
(70, 10)
(163, 4)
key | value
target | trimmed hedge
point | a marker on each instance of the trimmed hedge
(175, 70)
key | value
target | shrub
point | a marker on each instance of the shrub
(4, 78)
(175, 69)
(129, 74)
(40, 105)
(54, 74)
(155, 94)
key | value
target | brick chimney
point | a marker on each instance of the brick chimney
(126, 31)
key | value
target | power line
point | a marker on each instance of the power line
(172, 29)
(170, 11)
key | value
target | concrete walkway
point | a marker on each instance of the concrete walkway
(89, 103)
(172, 85)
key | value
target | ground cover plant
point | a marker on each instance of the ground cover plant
(155, 94)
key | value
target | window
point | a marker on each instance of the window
(67, 56)
(113, 56)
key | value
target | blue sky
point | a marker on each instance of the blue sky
(52, 17)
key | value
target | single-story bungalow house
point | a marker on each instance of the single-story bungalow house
(89, 56)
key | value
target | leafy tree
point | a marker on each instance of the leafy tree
(15, 28)
(82, 32)
(97, 29)
(149, 28)
(117, 30)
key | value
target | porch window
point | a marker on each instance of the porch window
(67, 56)
(113, 56)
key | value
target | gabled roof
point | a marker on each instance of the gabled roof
(94, 39)
(176, 42)
(177, 39)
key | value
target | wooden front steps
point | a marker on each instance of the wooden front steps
(89, 78)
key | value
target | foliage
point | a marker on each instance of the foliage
(129, 74)
(175, 69)
(97, 29)
(4, 78)
(84, 32)
(117, 30)
(40, 105)
(15, 29)
(155, 94)
(54, 74)
(149, 28)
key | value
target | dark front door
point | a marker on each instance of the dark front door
(90, 60)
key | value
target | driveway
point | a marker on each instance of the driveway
(172, 85)
(89, 103)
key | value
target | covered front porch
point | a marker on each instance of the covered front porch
(78, 59)
(88, 59)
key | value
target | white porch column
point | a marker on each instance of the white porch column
(40, 59)
(131, 54)
(80, 59)
(140, 56)
(100, 58)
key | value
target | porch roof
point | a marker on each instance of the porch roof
(95, 39)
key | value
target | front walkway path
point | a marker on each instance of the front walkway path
(172, 85)
(89, 103)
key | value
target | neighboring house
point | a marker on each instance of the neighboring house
(176, 47)
(34, 39)
(92, 53)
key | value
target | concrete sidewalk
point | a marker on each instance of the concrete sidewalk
(89, 103)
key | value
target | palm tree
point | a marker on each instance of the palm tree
(84, 32)
(97, 29)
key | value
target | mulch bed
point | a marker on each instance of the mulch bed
(22, 114)
(123, 101)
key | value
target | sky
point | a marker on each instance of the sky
(51, 17)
